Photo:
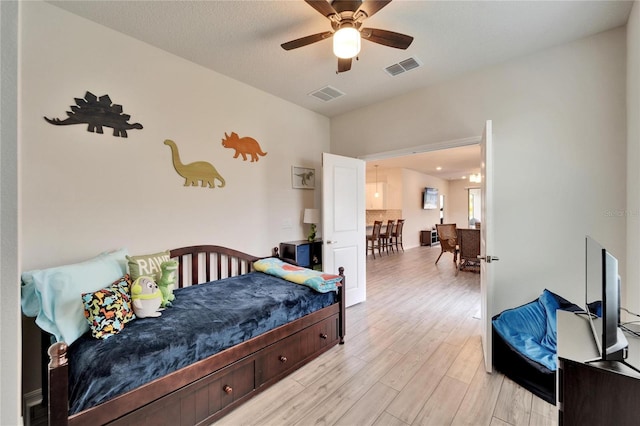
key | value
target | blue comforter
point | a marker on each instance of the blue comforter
(531, 328)
(203, 320)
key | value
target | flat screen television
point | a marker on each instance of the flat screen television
(430, 198)
(603, 302)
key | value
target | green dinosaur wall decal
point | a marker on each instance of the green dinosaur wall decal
(193, 173)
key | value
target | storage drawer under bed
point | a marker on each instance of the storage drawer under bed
(277, 360)
(200, 400)
(208, 397)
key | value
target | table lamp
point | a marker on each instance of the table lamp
(311, 216)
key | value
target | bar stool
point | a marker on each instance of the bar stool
(373, 240)
(396, 235)
(385, 239)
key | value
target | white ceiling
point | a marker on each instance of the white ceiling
(241, 39)
(452, 163)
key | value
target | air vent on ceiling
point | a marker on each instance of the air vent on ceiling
(327, 93)
(402, 66)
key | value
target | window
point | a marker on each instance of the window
(475, 206)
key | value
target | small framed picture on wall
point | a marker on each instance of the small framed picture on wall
(303, 178)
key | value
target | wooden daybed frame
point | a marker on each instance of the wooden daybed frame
(210, 388)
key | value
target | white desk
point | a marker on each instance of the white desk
(594, 393)
(578, 344)
(577, 341)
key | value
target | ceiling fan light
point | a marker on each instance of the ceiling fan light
(346, 43)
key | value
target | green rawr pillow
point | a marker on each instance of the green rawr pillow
(147, 264)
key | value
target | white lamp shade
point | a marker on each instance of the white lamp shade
(346, 43)
(311, 216)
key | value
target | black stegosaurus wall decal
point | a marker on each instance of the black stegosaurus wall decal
(97, 113)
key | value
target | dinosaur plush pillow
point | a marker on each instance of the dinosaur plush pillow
(147, 264)
(109, 309)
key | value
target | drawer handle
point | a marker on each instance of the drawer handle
(283, 359)
(227, 389)
(323, 336)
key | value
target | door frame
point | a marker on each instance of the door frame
(421, 149)
(487, 247)
(474, 140)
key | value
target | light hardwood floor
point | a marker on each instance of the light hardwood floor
(412, 357)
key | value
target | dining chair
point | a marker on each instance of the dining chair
(385, 238)
(468, 249)
(448, 240)
(373, 239)
(396, 234)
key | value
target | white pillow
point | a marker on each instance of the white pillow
(53, 295)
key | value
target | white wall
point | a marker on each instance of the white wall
(394, 188)
(103, 192)
(10, 333)
(458, 204)
(404, 190)
(560, 138)
(417, 219)
(633, 158)
(83, 193)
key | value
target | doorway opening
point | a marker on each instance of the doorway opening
(405, 174)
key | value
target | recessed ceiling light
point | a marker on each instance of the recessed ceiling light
(438, 168)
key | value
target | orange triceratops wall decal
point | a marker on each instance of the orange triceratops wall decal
(243, 146)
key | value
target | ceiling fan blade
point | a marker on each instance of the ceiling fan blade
(372, 7)
(322, 6)
(344, 64)
(387, 38)
(303, 41)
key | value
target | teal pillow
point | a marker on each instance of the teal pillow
(53, 295)
(147, 265)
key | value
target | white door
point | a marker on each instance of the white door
(487, 255)
(343, 222)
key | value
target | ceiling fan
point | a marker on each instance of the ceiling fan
(346, 17)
